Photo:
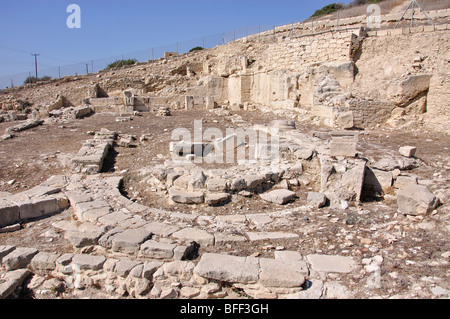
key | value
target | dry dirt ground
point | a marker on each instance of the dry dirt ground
(412, 247)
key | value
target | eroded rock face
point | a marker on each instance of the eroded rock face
(404, 90)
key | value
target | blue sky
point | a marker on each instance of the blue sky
(112, 28)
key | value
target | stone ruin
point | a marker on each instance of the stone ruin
(122, 247)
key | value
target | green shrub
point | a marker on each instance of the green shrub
(196, 49)
(120, 63)
(331, 8)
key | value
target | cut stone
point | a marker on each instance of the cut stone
(257, 236)
(130, 240)
(44, 261)
(200, 236)
(19, 258)
(227, 268)
(161, 229)
(277, 273)
(11, 281)
(279, 196)
(416, 200)
(124, 267)
(156, 250)
(316, 200)
(88, 262)
(332, 263)
(408, 151)
(216, 199)
(182, 197)
(9, 212)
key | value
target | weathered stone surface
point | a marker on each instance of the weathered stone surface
(224, 238)
(9, 212)
(353, 179)
(316, 200)
(183, 197)
(256, 236)
(123, 267)
(150, 268)
(227, 268)
(130, 240)
(5, 250)
(277, 273)
(304, 153)
(86, 262)
(416, 200)
(407, 151)
(344, 120)
(44, 261)
(279, 196)
(217, 198)
(216, 184)
(114, 219)
(82, 239)
(11, 281)
(200, 236)
(161, 229)
(332, 263)
(157, 250)
(404, 90)
(179, 268)
(82, 111)
(82, 207)
(403, 181)
(254, 180)
(377, 181)
(19, 258)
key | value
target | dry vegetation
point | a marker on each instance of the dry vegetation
(388, 6)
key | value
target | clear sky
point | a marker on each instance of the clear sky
(115, 27)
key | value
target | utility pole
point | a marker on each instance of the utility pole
(35, 63)
(87, 68)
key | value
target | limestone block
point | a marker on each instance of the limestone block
(276, 273)
(404, 90)
(416, 200)
(88, 262)
(316, 200)
(19, 258)
(217, 198)
(157, 250)
(408, 151)
(187, 235)
(130, 240)
(332, 263)
(279, 196)
(9, 212)
(227, 268)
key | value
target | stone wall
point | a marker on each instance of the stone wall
(295, 53)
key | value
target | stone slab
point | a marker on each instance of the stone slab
(332, 263)
(258, 236)
(157, 250)
(19, 258)
(88, 262)
(227, 268)
(130, 240)
(200, 236)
